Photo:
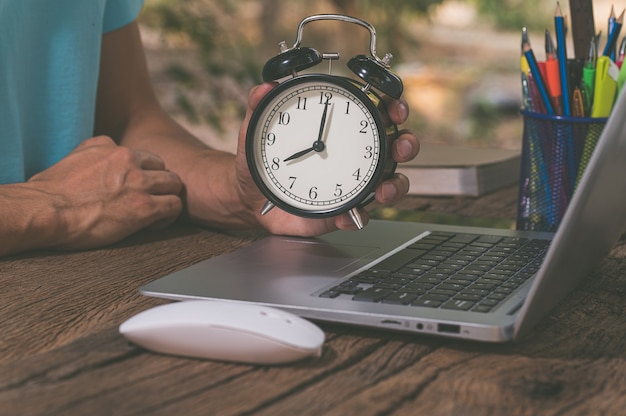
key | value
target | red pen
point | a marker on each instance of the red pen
(621, 53)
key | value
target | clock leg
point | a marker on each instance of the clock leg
(267, 207)
(356, 218)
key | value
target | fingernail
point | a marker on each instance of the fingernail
(389, 192)
(403, 111)
(404, 149)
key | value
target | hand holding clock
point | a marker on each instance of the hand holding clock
(404, 148)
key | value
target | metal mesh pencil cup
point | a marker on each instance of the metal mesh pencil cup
(555, 152)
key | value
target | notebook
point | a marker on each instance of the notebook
(431, 289)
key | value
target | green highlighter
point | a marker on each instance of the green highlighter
(605, 88)
(589, 78)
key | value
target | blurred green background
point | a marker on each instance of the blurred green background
(459, 59)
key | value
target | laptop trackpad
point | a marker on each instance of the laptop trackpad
(273, 269)
(293, 256)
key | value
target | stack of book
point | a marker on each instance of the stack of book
(441, 169)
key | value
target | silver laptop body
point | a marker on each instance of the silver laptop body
(291, 273)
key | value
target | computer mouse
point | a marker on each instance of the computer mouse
(225, 331)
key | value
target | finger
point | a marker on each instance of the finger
(397, 111)
(344, 221)
(254, 97)
(168, 217)
(162, 182)
(96, 141)
(258, 92)
(393, 189)
(149, 161)
(165, 210)
(405, 147)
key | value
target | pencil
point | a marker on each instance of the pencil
(534, 70)
(562, 57)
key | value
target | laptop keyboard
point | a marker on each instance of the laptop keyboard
(468, 272)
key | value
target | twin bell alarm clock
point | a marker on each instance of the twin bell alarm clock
(316, 144)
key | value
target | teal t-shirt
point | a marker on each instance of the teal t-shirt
(49, 61)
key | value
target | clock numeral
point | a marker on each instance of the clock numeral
(348, 107)
(338, 190)
(275, 164)
(357, 174)
(283, 118)
(325, 97)
(364, 125)
(270, 139)
(301, 103)
(293, 180)
(313, 193)
(368, 152)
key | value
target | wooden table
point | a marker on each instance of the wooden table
(61, 354)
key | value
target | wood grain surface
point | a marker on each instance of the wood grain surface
(61, 354)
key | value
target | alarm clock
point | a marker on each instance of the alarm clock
(316, 145)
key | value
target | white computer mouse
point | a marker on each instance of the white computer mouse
(225, 331)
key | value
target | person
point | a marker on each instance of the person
(89, 157)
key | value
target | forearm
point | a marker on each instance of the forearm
(211, 195)
(30, 219)
(128, 111)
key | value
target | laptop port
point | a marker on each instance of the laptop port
(449, 328)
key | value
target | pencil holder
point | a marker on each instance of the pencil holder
(555, 152)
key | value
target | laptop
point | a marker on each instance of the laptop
(416, 277)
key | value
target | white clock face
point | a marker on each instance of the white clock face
(317, 147)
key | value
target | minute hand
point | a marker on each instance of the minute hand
(319, 141)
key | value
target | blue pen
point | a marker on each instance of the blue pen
(562, 57)
(611, 42)
(609, 29)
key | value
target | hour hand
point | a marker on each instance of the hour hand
(299, 154)
(318, 146)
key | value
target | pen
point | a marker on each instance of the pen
(553, 81)
(534, 98)
(562, 57)
(621, 79)
(621, 53)
(611, 20)
(589, 77)
(536, 76)
(597, 40)
(525, 70)
(578, 109)
(611, 42)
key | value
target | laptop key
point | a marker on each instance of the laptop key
(458, 305)
(372, 294)
(401, 298)
(330, 294)
(429, 303)
(447, 293)
(468, 296)
(482, 308)
(463, 238)
(398, 260)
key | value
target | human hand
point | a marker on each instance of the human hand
(404, 148)
(103, 192)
